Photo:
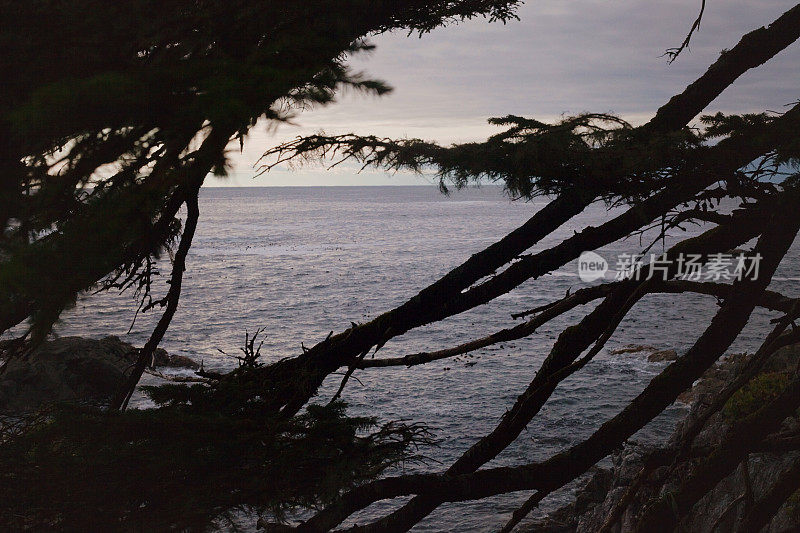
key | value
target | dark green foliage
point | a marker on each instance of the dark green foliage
(793, 506)
(754, 125)
(121, 215)
(184, 466)
(597, 152)
(759, 391)
(600, 153)
(108, 102)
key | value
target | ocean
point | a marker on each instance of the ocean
(304, 261)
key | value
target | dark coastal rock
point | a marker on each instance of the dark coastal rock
(662, 355)
(719, 510)
(716, 377)
(72, 369)
(633, 348)
(160, 357)
(180, 361)
(654, 354)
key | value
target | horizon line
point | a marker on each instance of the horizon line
(341, 186)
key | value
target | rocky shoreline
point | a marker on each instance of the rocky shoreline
(722, 508)
(72, 369)
(76, 369)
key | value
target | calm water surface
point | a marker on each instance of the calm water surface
(305, 261)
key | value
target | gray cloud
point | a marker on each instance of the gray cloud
(563, 56)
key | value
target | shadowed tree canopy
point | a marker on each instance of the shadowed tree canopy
(113, 113)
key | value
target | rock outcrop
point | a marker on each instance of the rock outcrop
(722, 508)
(72, 369)
(655, 355)
(662, 355)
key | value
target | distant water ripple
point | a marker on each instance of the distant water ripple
(305, 261)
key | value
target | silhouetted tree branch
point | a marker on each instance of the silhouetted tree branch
(562, 361)
(769, 300)
(445, 297)
(564, 467)
(715, 163)
(673, 53)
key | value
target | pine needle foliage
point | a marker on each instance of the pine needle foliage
(601, 153)
(185, 466)
(116, 111)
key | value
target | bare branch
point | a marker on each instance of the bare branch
(673, 53)
(525, 509)
(173, 295)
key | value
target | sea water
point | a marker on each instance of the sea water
(304, 261)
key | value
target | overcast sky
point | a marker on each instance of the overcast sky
(562, 56)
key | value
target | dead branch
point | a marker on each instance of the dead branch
(754, 49)
(173, 295)
(673, 53)
(551, 311)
